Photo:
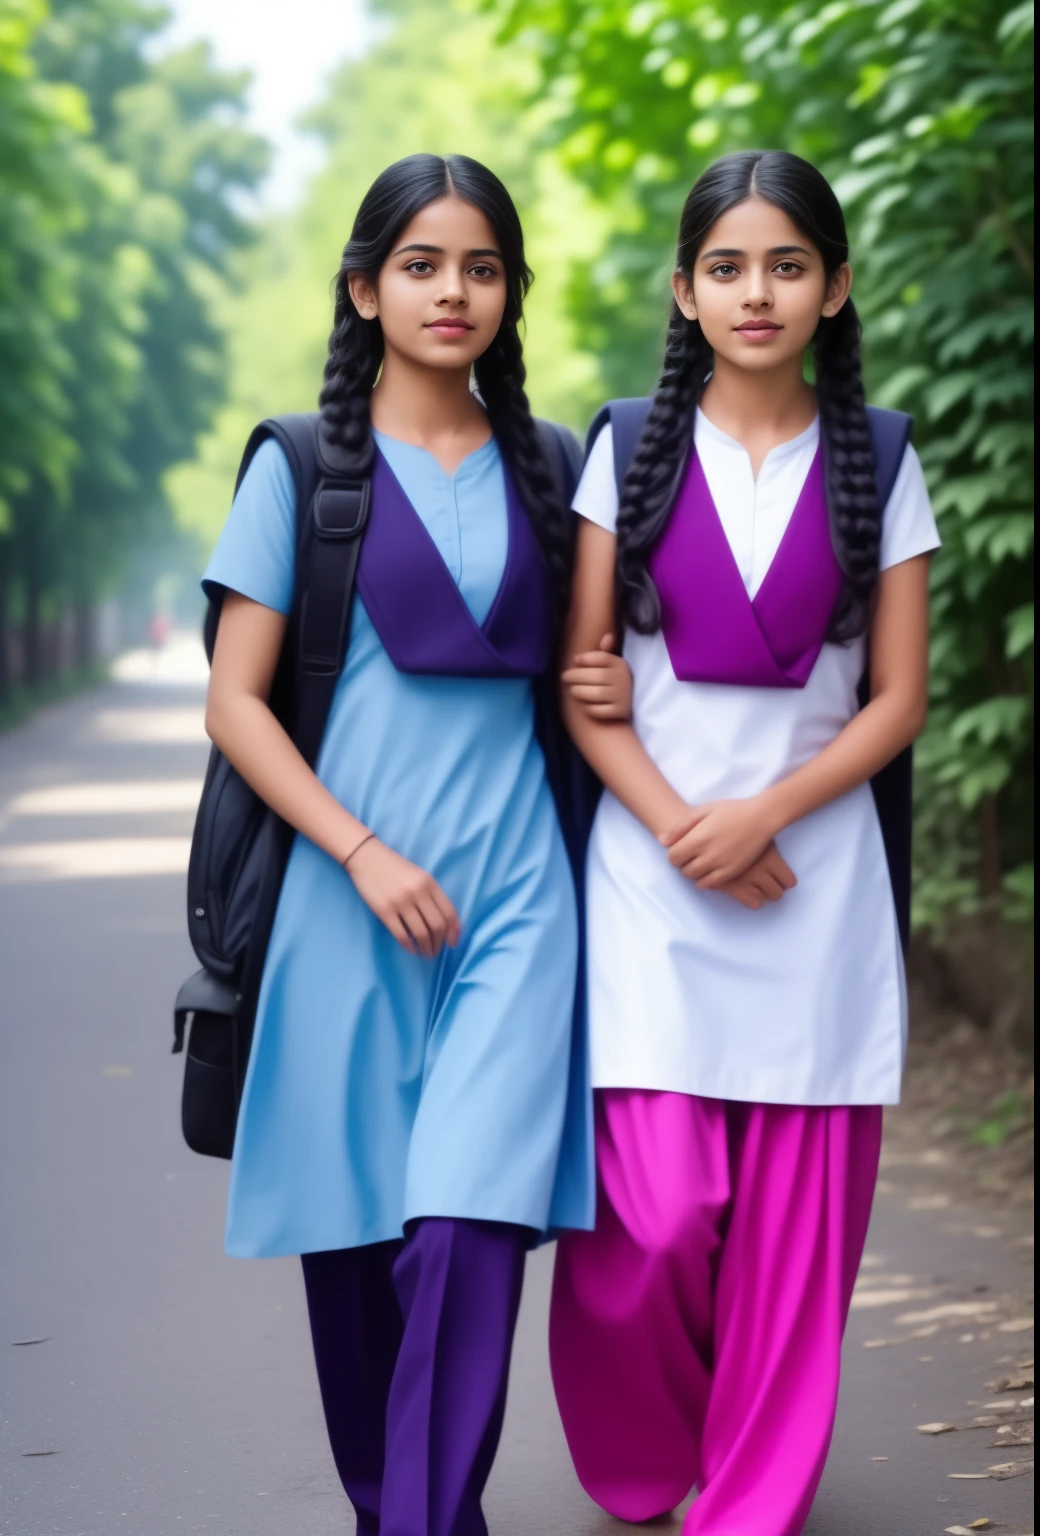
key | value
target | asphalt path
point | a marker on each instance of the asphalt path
(172, 1388)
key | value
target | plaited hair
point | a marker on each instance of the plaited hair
(659, 460)
(356, 345)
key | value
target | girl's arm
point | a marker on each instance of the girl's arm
(713, 843)
(610, 745)
(404, 897)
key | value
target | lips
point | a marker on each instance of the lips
(758, 328)
(452, 327)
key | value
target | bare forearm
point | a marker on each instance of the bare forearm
(614, 752)
(252, 740)
(871, 739)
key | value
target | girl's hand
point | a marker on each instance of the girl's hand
(767, 880)
(405, 898)
(719, 842)
(601, 682)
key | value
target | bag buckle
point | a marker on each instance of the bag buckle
(341, 508)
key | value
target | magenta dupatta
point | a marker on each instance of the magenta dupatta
(715, 632)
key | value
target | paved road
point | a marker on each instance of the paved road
(174, 1391)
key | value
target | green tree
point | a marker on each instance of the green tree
(920, 111)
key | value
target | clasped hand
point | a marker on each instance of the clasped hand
(727, 845)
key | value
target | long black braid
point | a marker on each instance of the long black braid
(656, 467)
(654, 473)
(356, 345)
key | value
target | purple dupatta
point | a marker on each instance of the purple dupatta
(715, 632)
(416, 607)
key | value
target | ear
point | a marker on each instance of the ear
(682, 287)
(364, 295)
(837, 291)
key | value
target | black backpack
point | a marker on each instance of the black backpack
(893, 786)
(240, 847)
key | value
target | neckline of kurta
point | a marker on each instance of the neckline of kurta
(810, 437)
(472, 460)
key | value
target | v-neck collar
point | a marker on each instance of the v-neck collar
(809, 438)
(714, 630)
(417, 607)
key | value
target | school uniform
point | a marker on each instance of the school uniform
(741, 1058)
(409, 1126)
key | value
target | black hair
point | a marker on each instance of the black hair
(796, 187)
(356, 344)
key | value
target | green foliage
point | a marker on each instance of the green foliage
(920, 111)
(117, 218)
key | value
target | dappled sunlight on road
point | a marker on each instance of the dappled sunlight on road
(94, 858)
(108, 799)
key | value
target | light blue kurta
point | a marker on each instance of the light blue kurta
(383, 1086)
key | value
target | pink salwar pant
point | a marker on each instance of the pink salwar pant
(696, 1334)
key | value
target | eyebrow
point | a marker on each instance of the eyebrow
(438, 250)
(774, 250)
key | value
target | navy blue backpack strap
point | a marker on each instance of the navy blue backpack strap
(893, 787)
(889, 435)
(627, 419)
(333, 496)
(563, 454)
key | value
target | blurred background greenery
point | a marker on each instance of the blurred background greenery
(153, 307)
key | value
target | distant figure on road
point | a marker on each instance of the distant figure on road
(159, 630)
(746, 993)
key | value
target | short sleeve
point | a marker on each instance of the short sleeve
(596, 497)
(256, 553)
(908, 525)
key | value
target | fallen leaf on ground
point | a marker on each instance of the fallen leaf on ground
(1006, 1469)
(935, 1429)
(1024, 1437)
(43, 1339)
(968, 1477)
(879, 1458)
(983, 1524)
(39, 1453)
(1016, 1325)
(1016, 1383)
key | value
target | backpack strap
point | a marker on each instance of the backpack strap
(333, 497)
(627, 419)
(563, 455)
(889, 434)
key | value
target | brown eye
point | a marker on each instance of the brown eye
(415, 266)
(724, 269)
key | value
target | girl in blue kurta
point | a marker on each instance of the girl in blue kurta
(414, 1113)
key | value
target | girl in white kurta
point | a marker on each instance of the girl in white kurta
(745, 976)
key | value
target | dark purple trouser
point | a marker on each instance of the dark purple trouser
(412, 1342)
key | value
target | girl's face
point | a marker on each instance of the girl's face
(441, 293)
(759, 287)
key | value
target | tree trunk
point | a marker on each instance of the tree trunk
(989, 848)
(83, 645)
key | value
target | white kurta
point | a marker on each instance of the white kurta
(804, 1001)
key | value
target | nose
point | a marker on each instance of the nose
(452, 294)
(758, 294)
